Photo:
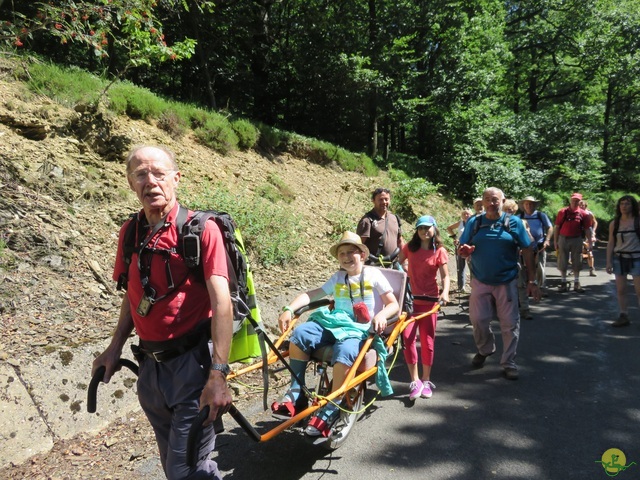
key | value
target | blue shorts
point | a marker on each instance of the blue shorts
(626, 266)
(310, 336)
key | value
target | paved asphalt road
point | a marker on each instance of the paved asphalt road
(577, 398)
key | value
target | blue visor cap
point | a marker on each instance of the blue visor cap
(426, 221)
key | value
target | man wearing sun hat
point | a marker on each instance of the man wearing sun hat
(571, 224)
(541, 230)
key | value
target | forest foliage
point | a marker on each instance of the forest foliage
(534, 96)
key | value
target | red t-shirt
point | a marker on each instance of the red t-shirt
(188, 304)
(573, 222)
(423, 270)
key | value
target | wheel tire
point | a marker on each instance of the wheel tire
(340, 430)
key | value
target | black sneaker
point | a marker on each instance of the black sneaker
(511, 373)
(578, 288)
(622, 321)
(478, 360)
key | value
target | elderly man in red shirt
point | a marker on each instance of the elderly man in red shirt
(571, 225)
(174, 313)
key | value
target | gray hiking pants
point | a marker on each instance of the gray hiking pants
(485, 303)
(169, 394)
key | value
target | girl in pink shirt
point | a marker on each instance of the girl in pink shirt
(426, 256)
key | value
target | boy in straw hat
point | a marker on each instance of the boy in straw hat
(345, 327)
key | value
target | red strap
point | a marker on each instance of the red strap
(321, 425)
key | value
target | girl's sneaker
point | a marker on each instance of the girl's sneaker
(415, 389)
(426, 389)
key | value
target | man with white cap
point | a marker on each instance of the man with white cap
(541, 230)
(570, 227)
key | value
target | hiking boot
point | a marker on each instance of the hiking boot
(511, 373)
(478, 360)
(526, 314)
(563, 287)
(622, 321)
(415, 389)
(578, 288)
(592, 273)
(427, 386)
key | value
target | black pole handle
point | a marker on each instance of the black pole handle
(92, 391)
(196, 428)
(312, 306)
(426, 297)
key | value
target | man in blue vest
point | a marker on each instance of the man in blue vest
(493, 239)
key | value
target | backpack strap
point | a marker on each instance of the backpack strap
(477, 224)
(129, 247)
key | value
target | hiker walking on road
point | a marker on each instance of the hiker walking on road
(493, 239)
(588, 244)
(379, 229)
(461, 263)
(345, 327)
(541, 230)
(427, 257)
(623, 253)
(174, 315)
(572, 224)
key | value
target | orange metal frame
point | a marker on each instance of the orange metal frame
(352, 380)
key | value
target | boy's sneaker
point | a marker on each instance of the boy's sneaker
(415, 389)
(426, 389)
(622, 321)
(321, 422)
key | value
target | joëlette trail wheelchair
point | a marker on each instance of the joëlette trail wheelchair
(350, 395)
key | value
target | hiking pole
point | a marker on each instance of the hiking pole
(92, 391)
(195, 431)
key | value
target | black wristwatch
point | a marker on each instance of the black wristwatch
(221, 367)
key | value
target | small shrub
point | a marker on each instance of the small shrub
(172, 123)
(407, 192)
(268, 191)
(271, 138)
(341, 222)
(135, 102)
(247, 133)
(217, 134)
(285, 191)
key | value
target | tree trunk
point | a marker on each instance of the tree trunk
(262, 109)
(202, 57)
(373, 94)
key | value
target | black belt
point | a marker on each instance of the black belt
(170, 349)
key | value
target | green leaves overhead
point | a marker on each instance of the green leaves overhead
(535, 94)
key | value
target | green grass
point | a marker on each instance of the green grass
(71, 86)
(271, 232)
